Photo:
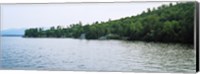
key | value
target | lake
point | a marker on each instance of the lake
(95, 55)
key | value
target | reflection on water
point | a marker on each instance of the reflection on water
(95, 55)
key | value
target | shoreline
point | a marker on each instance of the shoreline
(116, 39)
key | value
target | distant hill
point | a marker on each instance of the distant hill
(12, 32)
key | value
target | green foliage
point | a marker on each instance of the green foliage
(167, 23)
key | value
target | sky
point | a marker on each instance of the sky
(16, 16)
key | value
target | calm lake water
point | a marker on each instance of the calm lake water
(95, 55)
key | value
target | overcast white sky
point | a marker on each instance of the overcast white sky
(15, 16)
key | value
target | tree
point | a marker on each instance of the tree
(167, 23)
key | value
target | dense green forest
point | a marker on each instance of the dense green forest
(167, 23)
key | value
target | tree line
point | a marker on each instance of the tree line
(166, 23)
